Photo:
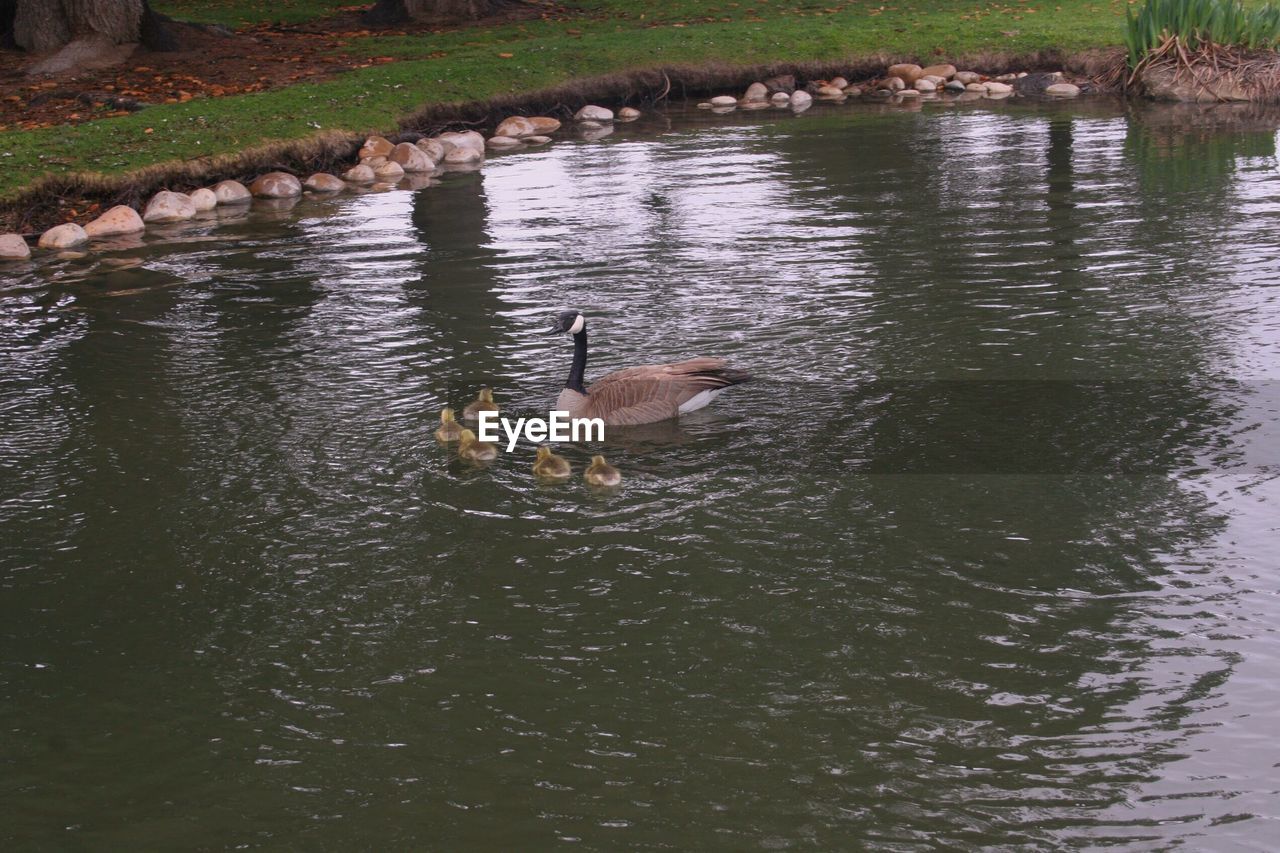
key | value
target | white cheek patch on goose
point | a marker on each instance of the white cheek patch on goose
(577, 325)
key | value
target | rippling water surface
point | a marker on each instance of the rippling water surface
(985, 556)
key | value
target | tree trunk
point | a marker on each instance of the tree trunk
(399, 11)
(40, 26)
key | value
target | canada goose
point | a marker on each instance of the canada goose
(639, 395)
(548, 466)
(469, 447)
(482, 403)
(450, 430)
(601, 473)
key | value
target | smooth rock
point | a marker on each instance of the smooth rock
(322, 182)
(909, 93)
(801, 99)
(780, 97)
(785, 83)
(1005, 78)
(361, 174)
(945, 71)
(500, 142)
(166, 206)
(63, 237)
(1062, 90)
(374, 162)
(853, 91)
(954, 86)
(464, 139)
(536, 140)
(14, 248)
(995, 87)
(433, 148)
(276, 185)
(923, 85)
(514, 127)
(543, 125)
(967, 77)
(830, 92)
(907, 72)
(231, 192)
(895, 84)
(756, 92)
(591, 112)
(724, 101)
(390, 171)
(203, 199)
(628, 114)
(376, 145)
(704, 105)
(463, 154)
(980, 88)
(120, 219)
(934, 79)
(411, 158)
(723, 110)
(838, 82)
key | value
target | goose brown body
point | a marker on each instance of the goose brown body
(450, 430)
(640, 395)
(551, 467)
(482, 403)
(472, 448)
(601, 473)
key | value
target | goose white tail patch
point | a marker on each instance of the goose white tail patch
(699, 400)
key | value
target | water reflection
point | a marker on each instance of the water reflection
(978, 561)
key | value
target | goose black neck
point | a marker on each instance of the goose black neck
(579, 367)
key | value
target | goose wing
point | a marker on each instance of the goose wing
(655, 392)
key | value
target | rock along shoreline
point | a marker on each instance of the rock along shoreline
(336, 162)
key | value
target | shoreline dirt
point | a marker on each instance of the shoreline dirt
(78, 197)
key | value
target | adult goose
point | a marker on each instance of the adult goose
(639, 395)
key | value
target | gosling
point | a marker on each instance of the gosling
(482, 403)
(450, 430)
(601, 473)
(471, 448)
(550, 467)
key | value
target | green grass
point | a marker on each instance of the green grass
(607, 36)
(1226, 23)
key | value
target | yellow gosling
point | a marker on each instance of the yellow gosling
(550, 467)
(482, 403)
(472, 448)
(601, 473)
(450, 430)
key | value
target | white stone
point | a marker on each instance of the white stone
(500, 142)
(361, 174)
(120, 219)
(801, 98)
(231, 192)
(967, 77)
(276, 185)
(389, 171)
(839, 83)
(204, 199)
(536, 140)
(923, 85)
(1062, 90)
(980, 88)
(591, 112)
(463, 139)
(704, 105)
(830, 92)
(411, 158)
(995, 87)
(322, 182)
(463, 154)
(166, 206)
(515, 127)
(13, 247)
(756, 92)
(542, 125)
(63, 237)
(909, 93)
(895, 84)
(780, 98)
(724, 101)
(376, 145)
(628, 114)
(433, 148)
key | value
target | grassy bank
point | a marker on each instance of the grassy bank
(592, 38)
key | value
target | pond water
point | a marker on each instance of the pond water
(986, 555)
